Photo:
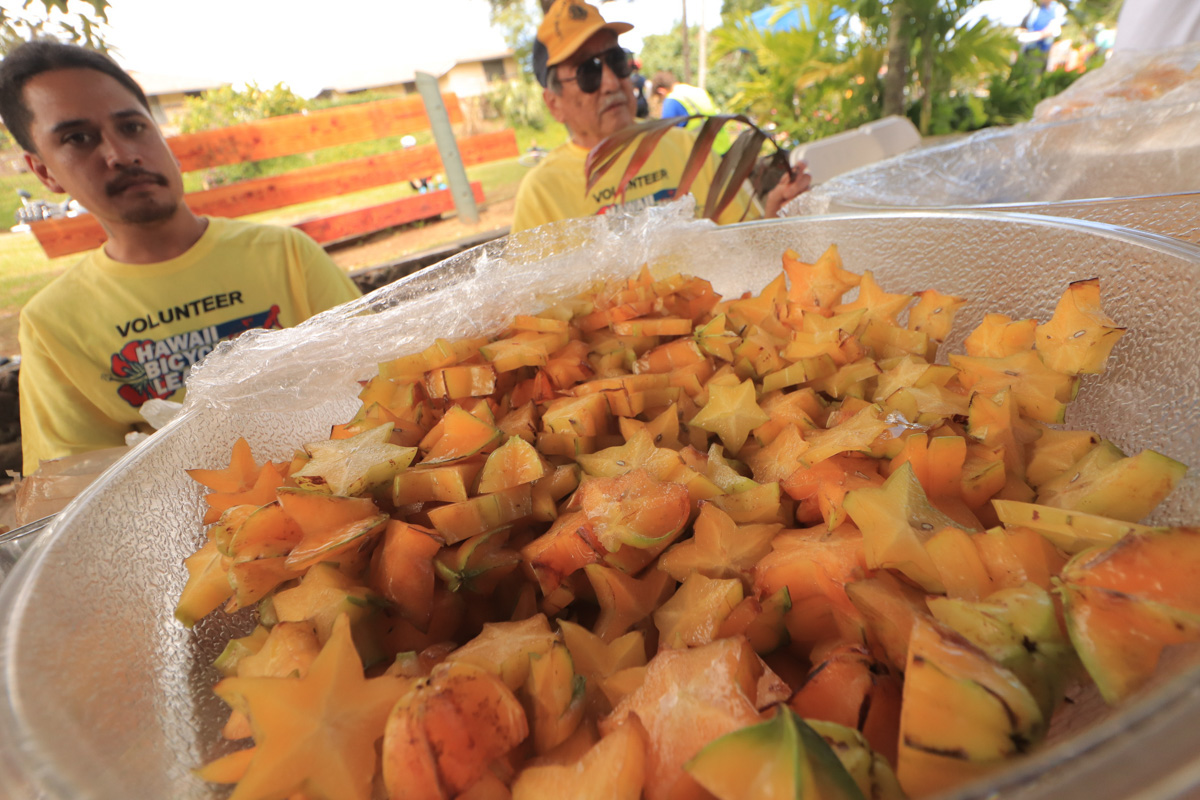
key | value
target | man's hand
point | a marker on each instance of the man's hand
(786, 189)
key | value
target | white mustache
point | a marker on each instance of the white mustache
(617, 98)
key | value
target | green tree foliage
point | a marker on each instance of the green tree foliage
(811, 81)
(520, 102)
(36, 19)
(732, 9)
(856, 60)
(664, 51)
(226, 106)
(836, 71)
(519, 20)
(1013, 94)
(933, 54)
(1087, 14)
(950, 56)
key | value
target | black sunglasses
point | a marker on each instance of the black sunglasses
(590, 72)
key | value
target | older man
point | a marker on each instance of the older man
(125, 324)
(586, 78)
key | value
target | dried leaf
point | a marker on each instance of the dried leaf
(644, 150)
(602, 157)
(769, 170)
(732, 172)
(699, 155)
(735, 167)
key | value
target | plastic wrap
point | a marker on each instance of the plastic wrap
(1165, 77)
(1096, 142)
(137, 712)
(472, 293)
(59, 481)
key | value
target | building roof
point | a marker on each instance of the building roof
(393, 75)
(154, 84)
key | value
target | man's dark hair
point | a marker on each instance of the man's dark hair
(664, 79)
(32, 59)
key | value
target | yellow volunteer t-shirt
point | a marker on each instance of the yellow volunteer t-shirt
(105, 337)
(556, 188)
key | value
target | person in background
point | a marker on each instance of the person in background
(586, 77)
(421, 185)
(639, 87)
(1104, 39)
(682, 100)
(125, 324)
(1041, 27)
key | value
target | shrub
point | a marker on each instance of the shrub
(1012, 98)
(226, 106)
(519, 101)
(953, 113)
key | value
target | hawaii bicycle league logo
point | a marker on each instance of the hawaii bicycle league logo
(148, 369)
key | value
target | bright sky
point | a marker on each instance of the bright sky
(1009, 13)
(310, 44)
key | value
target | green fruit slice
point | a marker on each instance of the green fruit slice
(780, 759)
(1070, 531)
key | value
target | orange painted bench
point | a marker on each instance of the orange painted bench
(304, 133)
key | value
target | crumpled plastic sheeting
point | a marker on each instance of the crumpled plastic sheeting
(1165, 77)
(472, 294)
(1118, 149)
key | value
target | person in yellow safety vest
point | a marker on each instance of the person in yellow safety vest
(680, 99)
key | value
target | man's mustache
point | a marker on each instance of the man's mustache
(131, 176)
(614, 99)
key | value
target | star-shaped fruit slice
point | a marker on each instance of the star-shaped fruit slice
(634, 509)
(715, 339)
(638, 452)
(1080, 336)
(896, 519)
(719, 547)
(317, 733)
(934, 314)
(1041, 393)
(819, 285)
(855, 435)
(350, 467)
(880, 305)
(597, 660)
(731, 413)
(237, 477)
(625, 600)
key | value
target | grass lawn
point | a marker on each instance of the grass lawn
(10, 201)
(24, 269)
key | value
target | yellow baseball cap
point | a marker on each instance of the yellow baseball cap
(570, 23)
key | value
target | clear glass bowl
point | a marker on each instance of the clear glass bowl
(1176, 215)
(106, 696)
(1136, 165)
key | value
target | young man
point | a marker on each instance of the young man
(126, 324)
(587, 87)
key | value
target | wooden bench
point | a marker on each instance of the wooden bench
(305, 133)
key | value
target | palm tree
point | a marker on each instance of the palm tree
(927, 40)
(950, 55)
(812, 79)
